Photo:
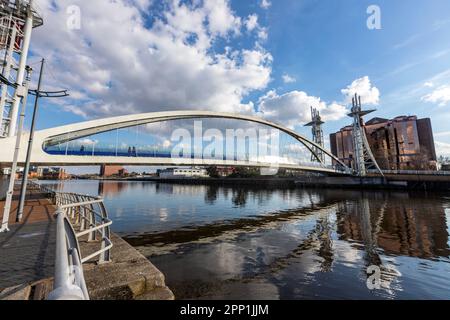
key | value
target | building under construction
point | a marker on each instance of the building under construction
(402, 143)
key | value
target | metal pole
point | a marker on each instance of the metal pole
(21, 71)
(6, 210)
(23, 188)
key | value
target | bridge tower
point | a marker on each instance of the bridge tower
(317, 134)
(362, 153)
(17, 19)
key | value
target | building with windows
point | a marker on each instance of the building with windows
(52, 173)
(180, 173)
(402, 143)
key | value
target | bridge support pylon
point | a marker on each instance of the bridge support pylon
(362, 154)
(317, 135)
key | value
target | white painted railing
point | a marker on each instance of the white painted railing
(89, 215)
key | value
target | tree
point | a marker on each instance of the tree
(245, 172)
(212, 172)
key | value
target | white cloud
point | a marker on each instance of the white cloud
(442, 148)
(220, 17)
(428, 84)
(442, 134)
(167, 143)
(118, 64)
(265, 4)
(294, 108)
(262, 33)
(440, 96)
(251, 22)
(288, 79)
(363, 87)
(143, 4)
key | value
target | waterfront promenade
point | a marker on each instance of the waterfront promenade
(27, 258)
(27, 251)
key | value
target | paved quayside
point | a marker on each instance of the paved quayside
(27, 258)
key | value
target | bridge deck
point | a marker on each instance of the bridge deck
(27, 251)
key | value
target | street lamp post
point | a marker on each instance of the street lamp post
(38, 93)
(23, 188)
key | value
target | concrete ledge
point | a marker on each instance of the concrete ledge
(129, 276)
(20, 292)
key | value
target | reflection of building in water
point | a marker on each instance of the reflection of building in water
(111, 188)
(180, 189)
(403, 226)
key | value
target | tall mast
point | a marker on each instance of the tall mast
(317, 135)
(362, 154)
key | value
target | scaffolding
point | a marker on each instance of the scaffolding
(17, 19)
(317, 135)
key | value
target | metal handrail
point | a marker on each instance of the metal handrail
(90, 215)
(69, 281)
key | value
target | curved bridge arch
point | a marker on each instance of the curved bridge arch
(59, 135)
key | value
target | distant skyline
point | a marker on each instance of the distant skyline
(271, 58)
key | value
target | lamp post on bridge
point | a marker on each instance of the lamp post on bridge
(38, 93)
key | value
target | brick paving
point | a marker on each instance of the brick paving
(27, 251)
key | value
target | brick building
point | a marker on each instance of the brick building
(52, 173)
(108, 171)
(402, 143)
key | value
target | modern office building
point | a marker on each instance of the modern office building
(402, 143)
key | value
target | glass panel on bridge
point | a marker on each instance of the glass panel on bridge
(215, 139)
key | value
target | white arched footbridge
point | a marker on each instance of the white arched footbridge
(44, 140)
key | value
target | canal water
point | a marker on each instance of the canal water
(216, 242)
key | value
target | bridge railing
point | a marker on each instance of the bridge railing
(90, 217)
(69, 283)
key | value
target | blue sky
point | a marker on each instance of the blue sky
(142, 56)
